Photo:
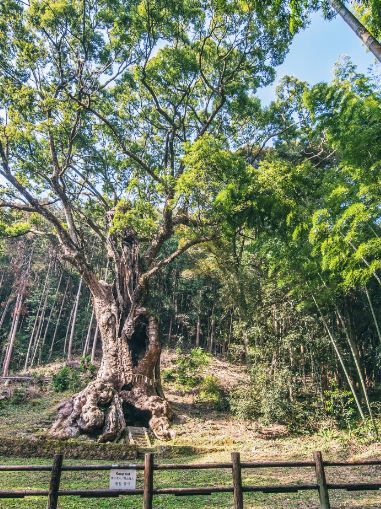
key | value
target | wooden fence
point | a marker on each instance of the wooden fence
(237, 489)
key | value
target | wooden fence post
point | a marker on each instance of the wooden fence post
(55, 482)
(237, 480)
(321, 481)
(148, 481)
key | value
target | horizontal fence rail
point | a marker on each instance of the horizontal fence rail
(237, 489)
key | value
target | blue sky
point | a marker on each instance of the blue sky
(315, 50)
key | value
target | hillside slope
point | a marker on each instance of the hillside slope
(198, 422)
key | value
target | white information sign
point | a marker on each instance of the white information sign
(122, 479)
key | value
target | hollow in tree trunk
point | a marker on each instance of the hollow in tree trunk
(127, 390)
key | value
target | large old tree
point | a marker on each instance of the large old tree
(120, 124)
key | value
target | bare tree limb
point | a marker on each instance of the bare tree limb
(165, 261)
(118, 138)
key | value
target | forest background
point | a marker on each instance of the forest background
(291, 286)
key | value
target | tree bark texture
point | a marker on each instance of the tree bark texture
(127, 390)
(367, 38)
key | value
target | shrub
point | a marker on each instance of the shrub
(200, 358)
(364, 430)
(267, 398)
(236, 353)
(66, 378)
(211, 392)
(187, 370)
(245, 402)
(74, 378)
(209, 388)
(88, 369)
(19, 395)
(340, 405)
(168, 375)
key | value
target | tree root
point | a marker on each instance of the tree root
(83, 412)
(98, 410)
(161, 413)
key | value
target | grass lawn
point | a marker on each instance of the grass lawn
(87, 480)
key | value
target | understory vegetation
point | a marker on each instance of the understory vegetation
(226, 390)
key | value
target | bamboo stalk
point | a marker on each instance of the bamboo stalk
(12, 334)
(375, 321)
(4, 313)
(359, 29)
(36, 322)
(87, 342)
(356, 359)
(340, 358)
(15, 321)
(50, 316)
(40, 326)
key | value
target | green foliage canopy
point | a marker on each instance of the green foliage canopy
(124, 115)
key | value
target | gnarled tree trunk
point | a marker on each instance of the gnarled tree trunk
(127, 390)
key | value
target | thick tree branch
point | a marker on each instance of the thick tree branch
(269, 137)
(71, 250)
(212, 116)
(164, 234)
(118, 138)
(165, 261)
(17, 206)
(36, 205)
(156, 101)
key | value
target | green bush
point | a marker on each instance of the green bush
(245, 402)
(199, 357)
(267, 398)
(210, 392)
(236, 353)
(69, 378)
(88, 370)
(19, 396)
(209, 388)
(340, 405)
(66, 378)
(168, 375)
(187, 370)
